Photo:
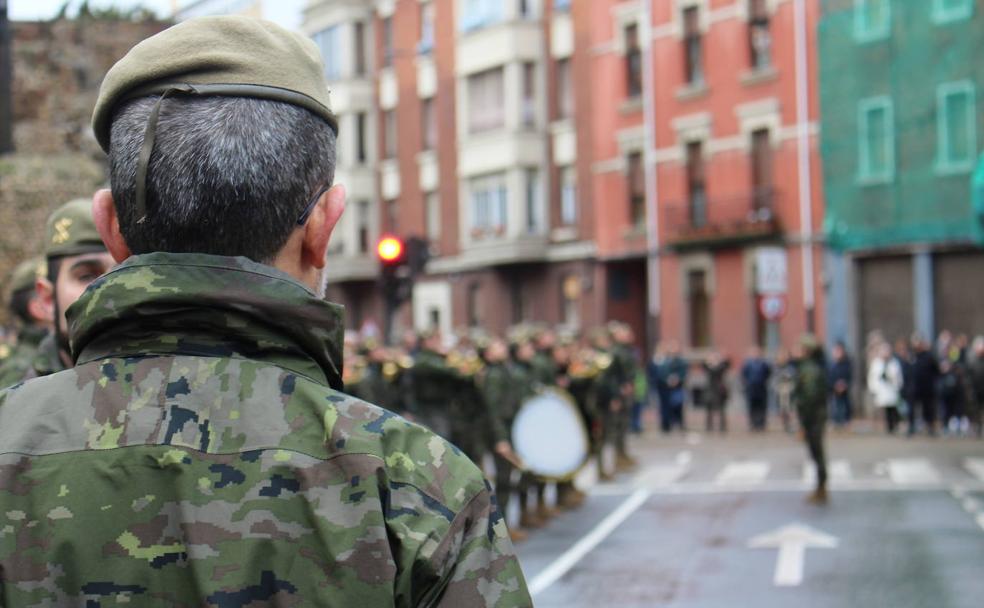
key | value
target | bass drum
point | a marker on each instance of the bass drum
(550, 437)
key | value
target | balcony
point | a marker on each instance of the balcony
(724, 222)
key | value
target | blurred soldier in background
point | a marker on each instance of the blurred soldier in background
(810, 395)
(31, 318)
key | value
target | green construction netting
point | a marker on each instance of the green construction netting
(902, 121)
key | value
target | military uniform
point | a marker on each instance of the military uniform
(200, 452)
(17, 359)
(502, 403)
(810, 396)
(433, 383)
(22, 356)
(201, 466)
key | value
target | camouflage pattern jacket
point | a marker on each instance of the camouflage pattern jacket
(810, 393)
(20, 361)
(199, 456)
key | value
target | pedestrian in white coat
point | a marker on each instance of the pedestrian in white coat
(885, 385)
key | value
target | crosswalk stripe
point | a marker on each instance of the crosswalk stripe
(740, 473)
(837, 471)
(976, 467)
(912, 471)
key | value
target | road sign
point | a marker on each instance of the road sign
(792, 541)
(771, 272)
(772, 308)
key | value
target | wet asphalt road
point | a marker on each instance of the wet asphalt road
(908, 516)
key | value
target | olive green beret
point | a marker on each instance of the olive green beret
(25, 274)
(228, 55)
(71, 231)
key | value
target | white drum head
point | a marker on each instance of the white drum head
(549, 436)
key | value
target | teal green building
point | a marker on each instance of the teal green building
(901, 83)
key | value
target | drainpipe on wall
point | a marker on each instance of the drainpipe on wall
(653, 291)
(805, 177)
(6, 83)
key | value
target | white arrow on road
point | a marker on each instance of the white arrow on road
(792, 541)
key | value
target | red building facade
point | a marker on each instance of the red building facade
(574, 162)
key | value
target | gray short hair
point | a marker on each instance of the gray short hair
(228, 176)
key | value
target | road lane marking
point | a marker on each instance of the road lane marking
(563, 564)
(976, 467)
(792, 541)
(743, 473)
(838, 471)
(912, 471)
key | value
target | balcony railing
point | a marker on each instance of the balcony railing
(721, 222)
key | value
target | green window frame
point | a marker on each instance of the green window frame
(872, 20)
(948, 11)
(876, 140)
(956, 127)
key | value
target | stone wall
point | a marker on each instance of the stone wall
(58, 66)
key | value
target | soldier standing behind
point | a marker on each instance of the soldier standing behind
(502, 402)
(625, 369)
(33, 320)
(716, 399)
(75, 257)
(810, 395)
(432, 385)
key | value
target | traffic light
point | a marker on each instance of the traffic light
(400, 262)
(391, 251)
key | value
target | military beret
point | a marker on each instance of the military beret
(228, 56)
(809, 342)
(70, 230)
(25, 274)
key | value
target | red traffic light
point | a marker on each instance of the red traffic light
(390, 249)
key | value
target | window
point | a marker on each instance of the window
(488, 205)
(329, 43)
(360, 49)
(526, 9)
(565, 89)
(876, 140)
(388, 42)
(698, 304)
(872, 19)
(562, 5)
(693, 52)
(477, 14)
(633, 61)
(571, 288)
(474, 304)
(363, 226)
(637, 190)
(426, 44)
(428, 124)
(956, 126)
(389, 134)
(361, 138)
(433, 210)
(761, 170)
(528, 108)
(568, 196)
(696, 184)
(485, 101)
(945, 11)
(392, 216)
(532, 201)
(759, 35)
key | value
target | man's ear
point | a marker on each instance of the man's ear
(42, 304)
(317, 231)
(108, 225)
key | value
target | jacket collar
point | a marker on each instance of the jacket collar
(205, 305)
